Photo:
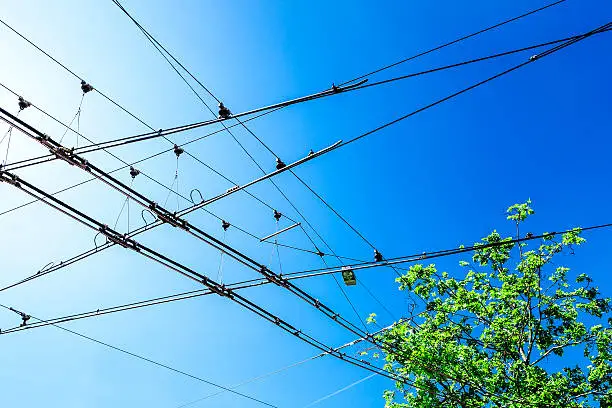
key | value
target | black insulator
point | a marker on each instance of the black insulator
(134, 172)
(280, 164)
(85, 87)
(224, 113)
(23, 104)
(178, 150)
(335, 88)
(24, 319)
(311, 152)
(377, 256)
(277, 215)
(225, 225)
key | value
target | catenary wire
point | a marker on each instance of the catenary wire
(156, 134)
(165, 54)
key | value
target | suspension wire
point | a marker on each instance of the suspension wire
(220, 270)
(128, 165)
(156, 134)
(190, 273)
(221, 290)
(455, 41)
(8, 133)
(435, 103)
(268, 109)
(126, 201)
(165, 53)
(307, 274)
(78, 113)
(151, 361)
(174, 219)
(157, 45)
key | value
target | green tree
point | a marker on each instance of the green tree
(512, 331)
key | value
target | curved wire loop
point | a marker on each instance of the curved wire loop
(199, 192)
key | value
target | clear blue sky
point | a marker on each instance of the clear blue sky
(436, 180)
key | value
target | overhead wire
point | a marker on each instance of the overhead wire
(168, 262)
(175, 220)
(455, 41)
(157, 45)
(154, 362)
(439, 101)
(165, 132)
(307, 274)
(285, 368)
(165, 54)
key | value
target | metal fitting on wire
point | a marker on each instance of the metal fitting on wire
(178, 151)
(85, 87)
(134, 172)
(378, 256)
(23, 104)
(224, 113)
(280, 164)
(277, 215)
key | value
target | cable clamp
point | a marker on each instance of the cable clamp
(122, 240)
(9, 178)
(167, 217)
(67, 155)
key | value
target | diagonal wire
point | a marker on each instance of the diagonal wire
(157, 363)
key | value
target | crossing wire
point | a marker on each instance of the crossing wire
(605, 27)
(165, 54)
(304, 274)
(97, 90)
(166, 217)
(157, 134)
(221, 290)
(127, 165)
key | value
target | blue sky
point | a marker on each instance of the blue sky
(439, 179)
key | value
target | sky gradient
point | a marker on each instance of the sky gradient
(436, 180)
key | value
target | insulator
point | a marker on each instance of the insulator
(277, 215)
(534, 57)
(85, 87)
(377, 256)
(279, 164)
(24, 319)
(225, 225)
(23, 104)
(335, 89)
(178, 150)
(311, 152)
(224, 113)
(134, 172)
